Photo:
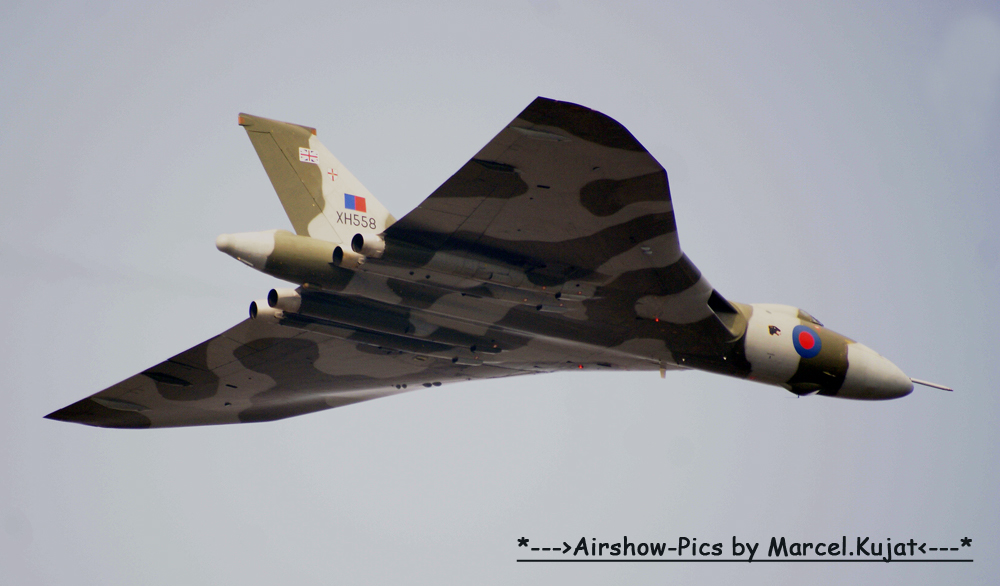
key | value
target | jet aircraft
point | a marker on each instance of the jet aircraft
(553, 249)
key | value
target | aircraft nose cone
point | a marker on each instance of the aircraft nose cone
(224, 242)
(870, 376)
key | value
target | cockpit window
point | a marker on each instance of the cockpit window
(803, 314)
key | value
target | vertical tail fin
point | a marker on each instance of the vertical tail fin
(321, 197)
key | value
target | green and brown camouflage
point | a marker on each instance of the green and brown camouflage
(554, 248)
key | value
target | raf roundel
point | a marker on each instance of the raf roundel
(806, 341)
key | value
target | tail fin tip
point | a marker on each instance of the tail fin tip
(249, 120)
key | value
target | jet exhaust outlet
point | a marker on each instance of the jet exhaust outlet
(260, 309)
(371, 245)
(347, 259)
(285, 300)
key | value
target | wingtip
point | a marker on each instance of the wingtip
(90, 412)
(580, 121)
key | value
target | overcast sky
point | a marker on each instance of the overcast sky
(840, 157)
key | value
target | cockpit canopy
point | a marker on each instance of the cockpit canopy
(805, 315)
(790, 310)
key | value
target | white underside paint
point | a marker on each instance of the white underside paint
(772, 357)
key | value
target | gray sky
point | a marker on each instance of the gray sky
(840, 157)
